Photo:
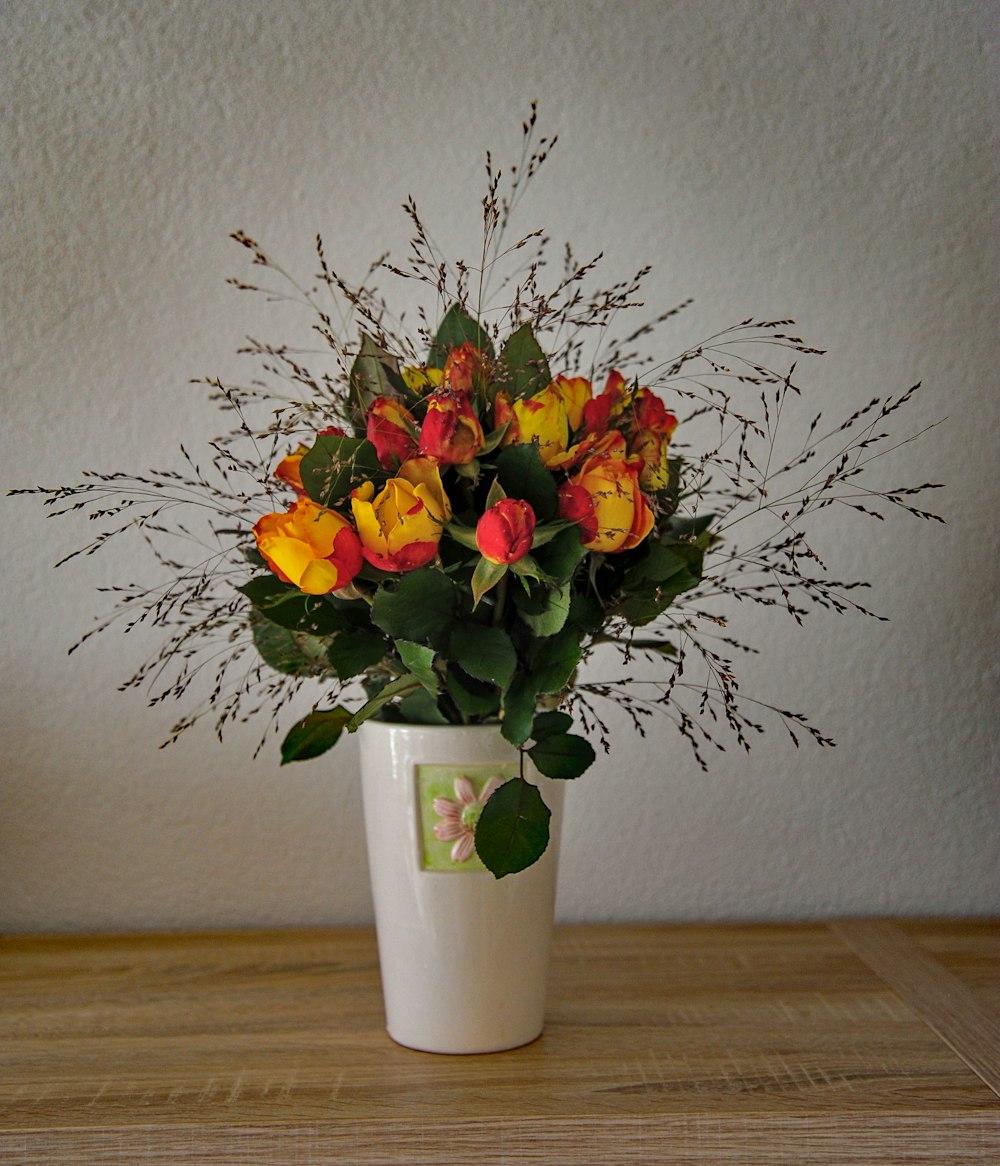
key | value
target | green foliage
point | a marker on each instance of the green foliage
(314, 734)
(290, 652)
(420, 708)
(334, 464)
(421, 606)
(485, 577)
(549, 723)
(545, 610)
(286, 606)
(473, 698)
(664, 572)
(513, 829)
(562, 755)
(400, 687)
(419, 661)
(355, 650)
(525, 365)
(373, 374)
(519, 708)
(457, 328)
(522, 474)
(485, 653)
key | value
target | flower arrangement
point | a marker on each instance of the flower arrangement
(454, 526)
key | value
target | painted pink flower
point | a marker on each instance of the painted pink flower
(460, 814)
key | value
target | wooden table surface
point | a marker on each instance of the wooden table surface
(813, 1044)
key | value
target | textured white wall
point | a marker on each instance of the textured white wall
(830, 160)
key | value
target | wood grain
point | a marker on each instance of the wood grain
(934, 993)
(677, 1044)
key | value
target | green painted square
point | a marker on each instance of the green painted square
(460, 788)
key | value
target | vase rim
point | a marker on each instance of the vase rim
(485, 726)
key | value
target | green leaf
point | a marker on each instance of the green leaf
(555, 659)
(522, 474)
(651, 587)
(690, 529)
(545, 534)
(466, 535)
(456, 329)
(492, 440)
(562, 755)
(285, 605)
(335, 465)
(661, 561)
(287, 651)
(401, 686)
(528, 568)
(519, 709)
(585, 612)
(549, 723)
(370, 379)
(353, 651)
(545, 614)
(485, 577)
(420, 708)
(487, 653)
(496, 494)
(527, 368)
(474, 698)
(420, 606)
(314, 734)
(513, 829)
(563, 554)
(419, 661)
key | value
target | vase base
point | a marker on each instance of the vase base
(473, 1049)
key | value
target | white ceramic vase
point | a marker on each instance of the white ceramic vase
(463, 955)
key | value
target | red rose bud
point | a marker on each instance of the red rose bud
(577, 505)
(451, 431)
(504, 532)
(391, 429)
(463, 369)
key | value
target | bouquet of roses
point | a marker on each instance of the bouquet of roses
(484, 521)
(459, 523)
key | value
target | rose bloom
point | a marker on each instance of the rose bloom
(541, 419)
(505, 531)
(289, 470)
(652, 430)
(599, 411)
(463, 370)
(313, 548)
(451, 431)
(419, 380)
(575, 393)
(605, 499)
(400, 526)
(392, 430)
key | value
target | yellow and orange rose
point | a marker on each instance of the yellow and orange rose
(313, 548)
(605, 499)
(400, 526)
